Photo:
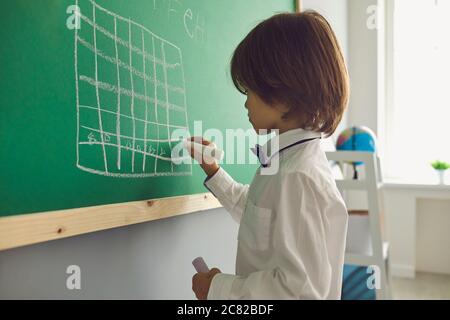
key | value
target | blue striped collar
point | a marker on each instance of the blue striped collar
(282, 142)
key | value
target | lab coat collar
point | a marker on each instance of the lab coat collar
(285, 141)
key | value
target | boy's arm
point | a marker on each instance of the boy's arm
(231, 194)
(302, 269)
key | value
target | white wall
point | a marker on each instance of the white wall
(145, 261)
(433, 240)
(363, 65)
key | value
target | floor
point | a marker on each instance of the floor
(426, 286)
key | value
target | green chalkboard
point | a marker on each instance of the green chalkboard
(88, 101)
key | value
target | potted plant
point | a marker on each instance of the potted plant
(440, 168)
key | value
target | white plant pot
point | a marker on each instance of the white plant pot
(441, 176)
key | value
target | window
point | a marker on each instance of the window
(419, 119)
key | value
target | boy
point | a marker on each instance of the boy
(293, 224)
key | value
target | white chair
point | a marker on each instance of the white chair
(365, 224)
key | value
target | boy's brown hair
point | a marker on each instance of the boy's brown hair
(294, 59)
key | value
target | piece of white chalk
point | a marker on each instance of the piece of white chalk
(200, 265)
(210, 153)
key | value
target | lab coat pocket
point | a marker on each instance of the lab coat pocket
(255, 229)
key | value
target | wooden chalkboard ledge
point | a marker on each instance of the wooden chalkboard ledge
(22, 230)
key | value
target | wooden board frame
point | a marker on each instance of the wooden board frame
(26, 229)
(298, 5)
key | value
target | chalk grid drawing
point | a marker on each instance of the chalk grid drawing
(130, 94)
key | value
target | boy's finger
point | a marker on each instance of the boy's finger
(213, 272)
(196, 139)
(200, 140)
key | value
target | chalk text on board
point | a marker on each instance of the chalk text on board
(193, 21)
(195, 30)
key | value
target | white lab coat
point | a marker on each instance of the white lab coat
(293, 226)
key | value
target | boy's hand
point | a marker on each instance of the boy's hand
(201, 283)
(209, 168)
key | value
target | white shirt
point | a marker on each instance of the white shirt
(293, 226)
